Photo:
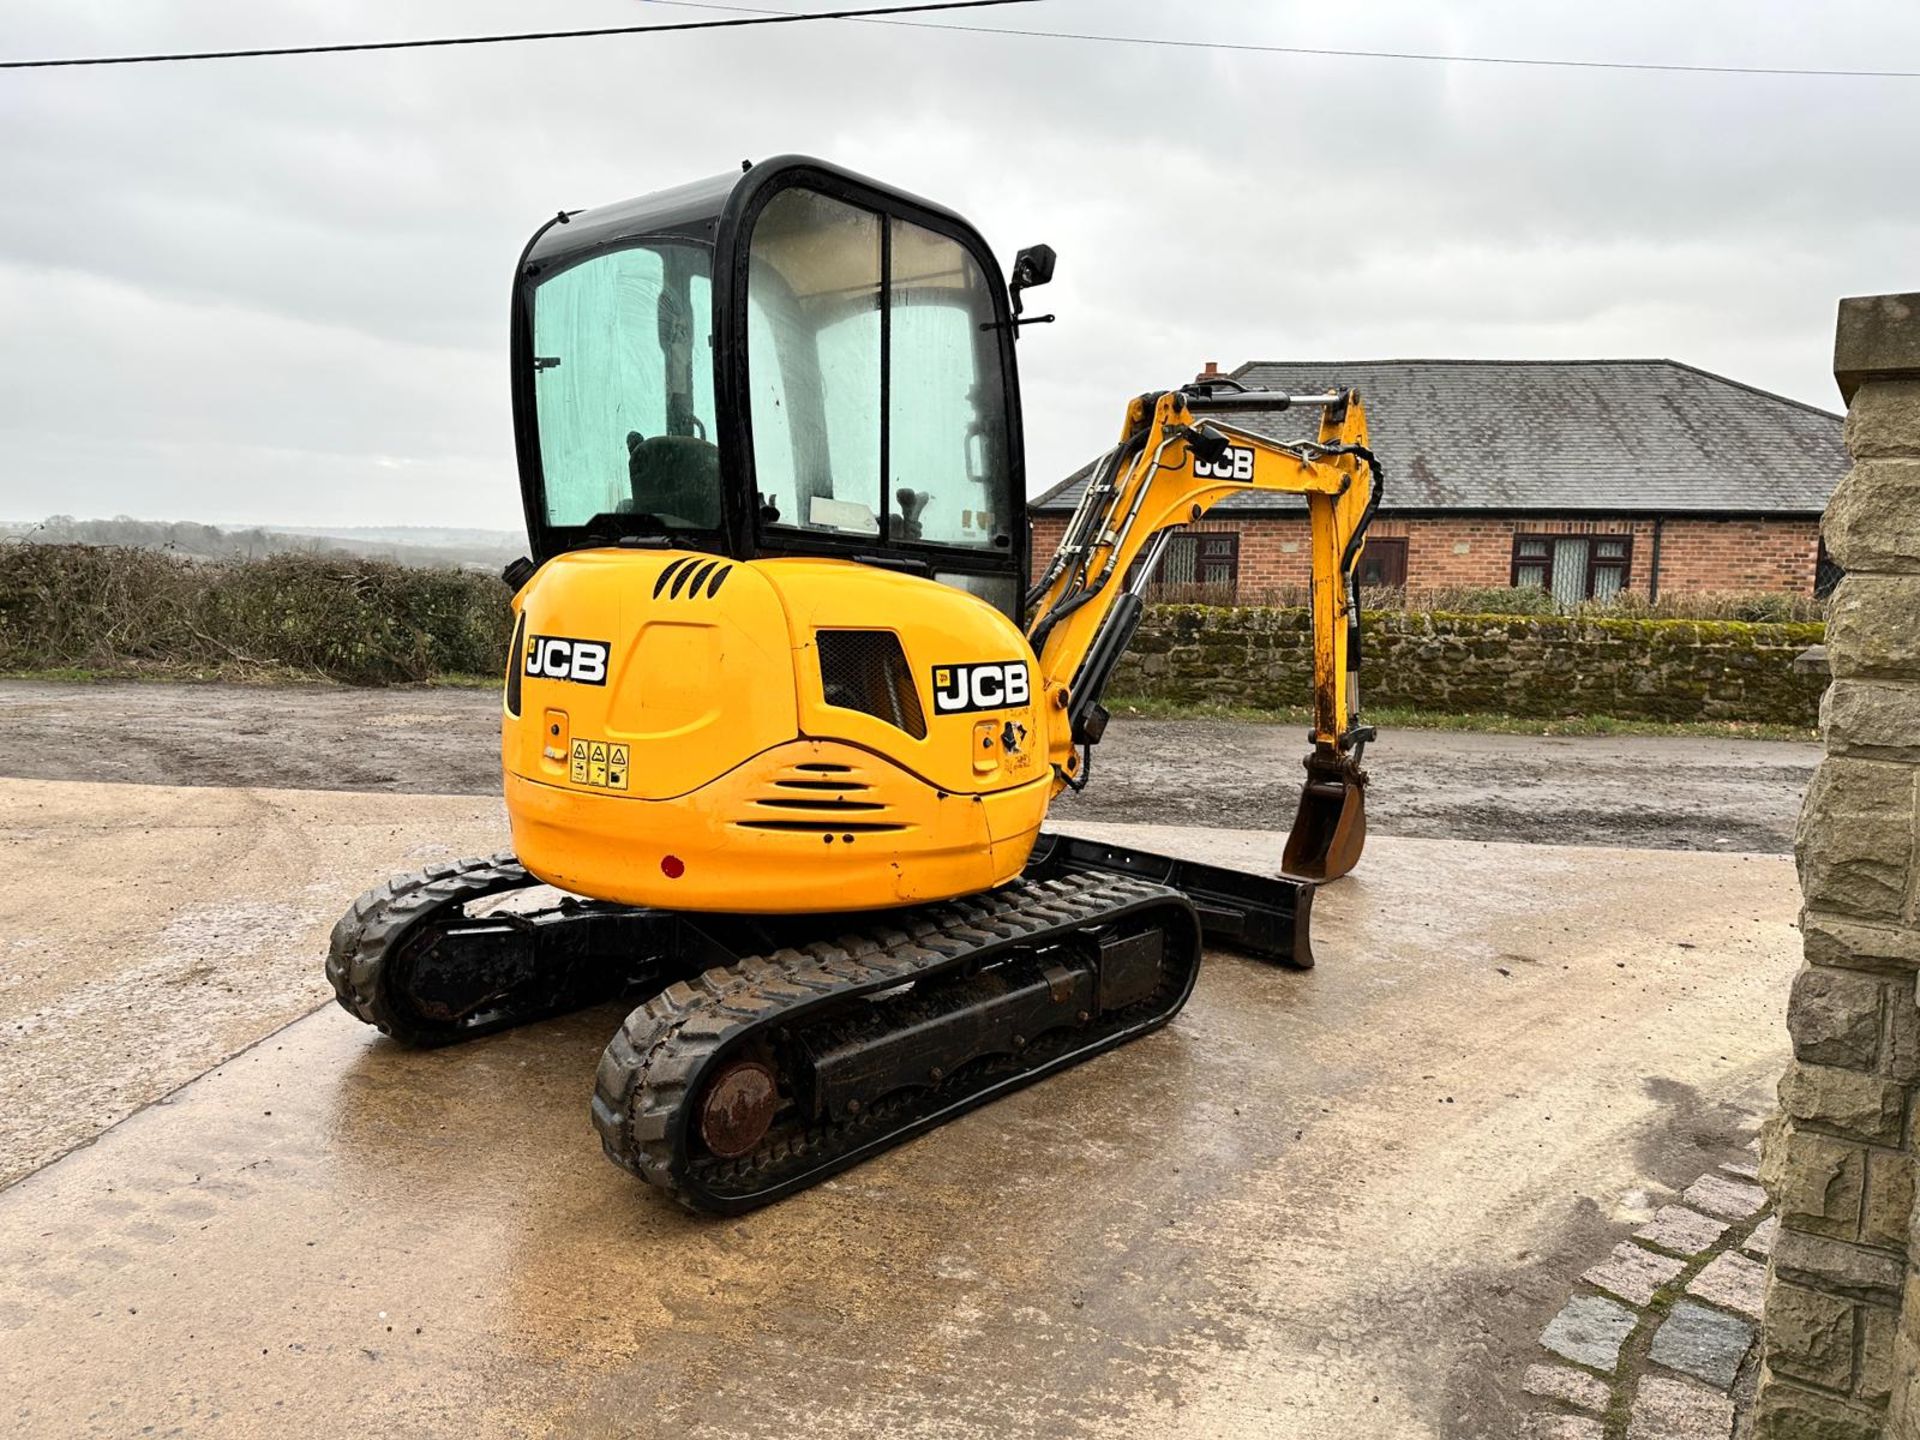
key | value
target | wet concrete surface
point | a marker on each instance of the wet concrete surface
(148, 933)
(1333, 1203)
(1644, 792)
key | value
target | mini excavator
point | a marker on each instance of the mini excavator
(785, 710)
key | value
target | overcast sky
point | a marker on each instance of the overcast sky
(275, 290)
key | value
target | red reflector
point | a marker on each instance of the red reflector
(673, 867)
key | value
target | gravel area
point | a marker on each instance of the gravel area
(1642, 792)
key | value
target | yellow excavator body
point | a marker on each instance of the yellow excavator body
(786, 707)
(790, 735)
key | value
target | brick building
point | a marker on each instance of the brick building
(1584, 477)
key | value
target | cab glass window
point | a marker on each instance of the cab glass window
(847, 313)
(813, 358)
(623, 386)
(947, 411)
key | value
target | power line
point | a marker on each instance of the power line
(759, 17)
(1412, 55)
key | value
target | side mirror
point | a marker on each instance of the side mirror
(1032, 266)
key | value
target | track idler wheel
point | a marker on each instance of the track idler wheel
(738, 1108)
(1330, 827)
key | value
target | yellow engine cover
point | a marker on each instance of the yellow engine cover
(772, 736)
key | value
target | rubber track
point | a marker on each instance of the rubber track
(651, 1069)
(368, 935)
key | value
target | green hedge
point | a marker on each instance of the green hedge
(1538, 666)
(110, 609)
(365, 622)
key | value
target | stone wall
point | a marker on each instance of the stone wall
(1842, 1330)
(1541, 666)
(1476, 551)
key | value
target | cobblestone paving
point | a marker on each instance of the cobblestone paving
(1654, 1345)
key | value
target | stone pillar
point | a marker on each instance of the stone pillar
(1842, 1329)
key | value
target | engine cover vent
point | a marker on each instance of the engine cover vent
(693, 574)
(866, 670)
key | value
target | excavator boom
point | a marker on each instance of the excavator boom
(1178, 457)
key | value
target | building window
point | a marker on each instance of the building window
(1572, 568)
(1383, 564)
(1206, 557)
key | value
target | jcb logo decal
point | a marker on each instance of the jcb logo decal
(554, 657)
(999, 685)
(1236, 464)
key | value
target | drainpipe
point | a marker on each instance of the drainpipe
(1653, 580)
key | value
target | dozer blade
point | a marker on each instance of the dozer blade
(1330, 827)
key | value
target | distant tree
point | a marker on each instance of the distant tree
(193, 540)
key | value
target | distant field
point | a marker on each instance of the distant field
(412, 545)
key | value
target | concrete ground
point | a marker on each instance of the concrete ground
(1646, 792)
(147, 934)
(1334, 1203)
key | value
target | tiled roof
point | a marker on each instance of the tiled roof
(1649, 436)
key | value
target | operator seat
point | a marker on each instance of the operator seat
(676, 477)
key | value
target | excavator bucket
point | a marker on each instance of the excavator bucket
(1330, 828)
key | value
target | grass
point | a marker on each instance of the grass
(159, 674)
(1390, 717)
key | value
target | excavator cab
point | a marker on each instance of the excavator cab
(788, 361)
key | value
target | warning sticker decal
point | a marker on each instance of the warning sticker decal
(598, 764)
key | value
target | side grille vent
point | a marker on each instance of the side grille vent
(698, 576)
(516, 662)
(866, 670)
